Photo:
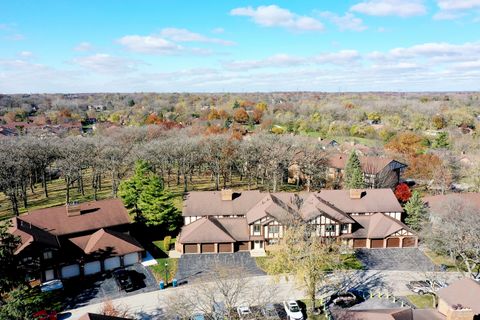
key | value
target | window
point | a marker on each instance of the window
(47, 255)
(344, 228)
(329, 228)
(273, 229)
(257, 229)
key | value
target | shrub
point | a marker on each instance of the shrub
(166, 242)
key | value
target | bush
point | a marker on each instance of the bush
(166, 243)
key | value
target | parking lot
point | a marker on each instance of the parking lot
(103, 287)
(404, 259)
(194, 266)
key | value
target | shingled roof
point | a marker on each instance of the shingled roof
(29, 234)
(465, 292)
(212, 230)
(370, 165)
(377, 226)
(93, 215)
(107, 240)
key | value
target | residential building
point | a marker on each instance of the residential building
(228, 221)
(75, 240)
(378, 172)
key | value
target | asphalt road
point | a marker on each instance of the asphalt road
(151, 305)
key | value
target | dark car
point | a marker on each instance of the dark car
(123, 279)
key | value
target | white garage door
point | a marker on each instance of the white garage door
(71, 271)
(92, 267)
(49, 275)
(130, 259)
(112, 263)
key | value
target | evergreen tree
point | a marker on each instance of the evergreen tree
(416, 212)
(146, 198)
(441, 141)
(9, 273)
(353, 173)
(156, 205)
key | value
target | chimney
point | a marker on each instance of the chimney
(458, 312)
(356, 194)
(73, 209)
(227, 194)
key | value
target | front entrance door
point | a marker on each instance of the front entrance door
(257, 245)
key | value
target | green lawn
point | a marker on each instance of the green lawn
(160, 244)
(159, 270)
(441, 259)
(421, 301)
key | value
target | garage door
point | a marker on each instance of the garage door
(409, 242)
(393, 242)
(92, 267)
(190, 248)
(71, 271)
(130, 259)
(224, 247)
(359, 243)
(208, 247)
(49, 275)
(242, 246)
(376, 243)
(111, 263)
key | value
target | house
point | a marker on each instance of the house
(458, 301)
(228, 221)
(437, 202)
(75, 240)
(379, 172)
(461, 297)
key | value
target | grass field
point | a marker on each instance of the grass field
(440, 259)
(421, 301)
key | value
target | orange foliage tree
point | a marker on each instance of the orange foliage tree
(240, 115)
(406, 143)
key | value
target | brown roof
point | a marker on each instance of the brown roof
(380, 314)
(94, 316)
(94, 215)
(372, 200)
(377, 226)
(106, 240)
(209, 230)
(435, 203)
(237, 228)
(371, 165)
(210, 203)
(29, 233)
(465, 292)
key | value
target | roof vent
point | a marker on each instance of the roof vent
(356, 193)
(227, 194)
(73, 209)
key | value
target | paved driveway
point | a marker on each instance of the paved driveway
(193, 266)
(103, 287)
(408, 259)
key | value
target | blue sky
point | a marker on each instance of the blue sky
(202, 46)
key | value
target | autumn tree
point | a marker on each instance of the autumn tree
(417, 214)
(240, 115)
(308, 257)
(456, 235)
(438, 122)
(406, 143)
(353, 173)
(402, 192)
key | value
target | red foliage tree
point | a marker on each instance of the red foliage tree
(403, 192)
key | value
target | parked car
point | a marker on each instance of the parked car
(51, 285)
(45, 315)
(269, 311)
(123, 279)
(344, 299)
(244, 313)
(425, 286)
(198, 316)
(293, 310)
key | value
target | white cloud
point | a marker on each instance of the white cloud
(149, 44)
(454, 9)
(105, 63)
(274, 16)
(458, 4)
(400, 8)
(83, 46)
(25, 54)
(218, 30)
(346, 22)
(184, 35)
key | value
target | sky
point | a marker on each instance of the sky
(60, 46)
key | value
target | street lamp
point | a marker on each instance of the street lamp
(166, 273)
